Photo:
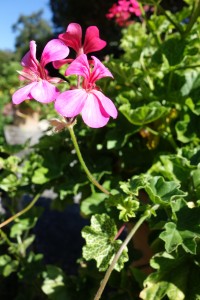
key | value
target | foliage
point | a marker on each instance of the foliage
(148, 158)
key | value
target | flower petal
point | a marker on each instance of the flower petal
(92, 41)
(54, 50)
(99, 71)
(59, 63)
(23, 93)
(70, 103)
(29, 60)
(93, 113)
(72, 37)
(107, 104)
(44, 92)
(79, 66)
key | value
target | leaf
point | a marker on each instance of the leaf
(7, 265)
(174, 57)
(196, 182)
(126, 205)
(54, 284)
(161, 191)
(171, 236)
(194, 108)
(101, 244)
(188, 129)
(144, 114)
(24, 224)
(40, 176)
(93, 204)
(173, 167)
(185, 233)
(9, 183)
(175, 277)
(158, 190)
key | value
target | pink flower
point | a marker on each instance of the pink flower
(94, 106)
(135, 8)
(40, 85)
(123, 10)
(73, 38)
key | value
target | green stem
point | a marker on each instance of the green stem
(23, 211)
(78, 152)
(4, 236)
(186, 67)
(118, 254)
(194, 16)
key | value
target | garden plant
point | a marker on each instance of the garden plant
(123, 141)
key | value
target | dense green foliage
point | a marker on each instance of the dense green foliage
(148, 158)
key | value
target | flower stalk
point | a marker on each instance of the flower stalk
(82, 162)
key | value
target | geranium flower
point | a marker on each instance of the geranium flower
(88, 100)
(135, 8)
(73, 38)
(123, 10)
(39, 83)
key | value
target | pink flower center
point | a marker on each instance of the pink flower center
(88, 86)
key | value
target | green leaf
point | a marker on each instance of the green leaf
(158, 190)
(173, 167)
(196, 182)
(188, 129)
(126, 205)
(144, 114)
(54, 284)
(23, 225)
(171, 237)
(93, 204)
(7, 265)
(194, 108)
(161, 191)
(185, 233)
(101, 244)
(40, 176)
(174, 57)
(9, 183)
(175, 277)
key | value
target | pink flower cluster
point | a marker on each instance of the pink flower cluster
(86, 99)
(123, 10)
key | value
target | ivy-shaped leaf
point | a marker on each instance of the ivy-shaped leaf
(101, 244)
(126, 205)
(185, 233)
(159, 191)
(171, 237)
(176, 277)
(144, 114)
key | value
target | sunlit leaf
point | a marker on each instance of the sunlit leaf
(101, 244)
(175, 277)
